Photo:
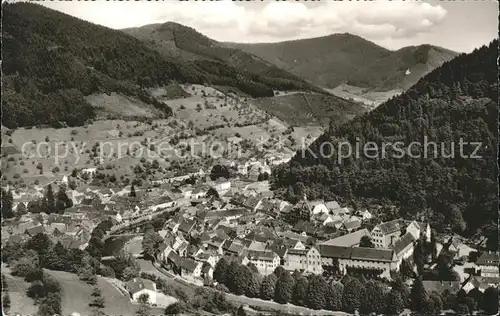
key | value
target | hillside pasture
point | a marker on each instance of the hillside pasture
(76, 295)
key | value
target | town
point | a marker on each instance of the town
(249, 158)
(223, 229)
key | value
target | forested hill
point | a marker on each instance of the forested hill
(336, 59)
(52, 60)
(455, 101)
(176, 40)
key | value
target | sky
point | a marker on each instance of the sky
(457, 25)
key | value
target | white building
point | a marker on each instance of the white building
(384, 235)
(380, 261)
(318, 207)
(307, 260)
(265, 261)
(140, 286)
(488, 264)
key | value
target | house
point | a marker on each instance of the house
(265, 261)
(418, 229)
(488, 264)
(366, 215)
(221, 186)
(403, 248)
(380, 262)
(216, 244)
(479, 283)
(163, 251)
(186, 226)
(207, 271)
(140, 286)
(351, 225)
(235, 247)
(199, 192)
(160, 203)
(190, 269)
(252, 203)
(441, 286)
(318, 207)
(302, 209)
(384, 235)
(349, 240)
(332, 206)
(307, 260)
(35, 230)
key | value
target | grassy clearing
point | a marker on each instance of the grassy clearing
(20, 302)
(77, 295)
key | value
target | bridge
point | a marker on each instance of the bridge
(109, 258)
(134, 221)
(125, 234)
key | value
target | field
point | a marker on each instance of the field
(371, 99)
(76, 296)
(20, 302)
(205, 121)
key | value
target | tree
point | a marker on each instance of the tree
(6, 302)
(366, 242)
(241, 311)
(97, 299)
(279, 271)
(402, 289)
(132, 191)
(353, 293)
(219, 171)
(434, 304)
(144, 309)
(284, 288)
(334, 297)
(58, 258)
(151, 243)
(375, 292)
(40, 243)
(299, 296)
(394, 303)
(490, 301)
(50, 202)
(231, 273)
(21, 209)
(50, 305)
(242, 279)
(462, 309)
(129, 273)
(456, 219)
(418, 295)
(7, 204)
(317, 292)
(174, 309)
(268, 286)
(419, 256)
(220, 270)
(253, 288)
(406, 269)
(63, 201)
(471, 304)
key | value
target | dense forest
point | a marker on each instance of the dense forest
(455, 101)
(52, 60)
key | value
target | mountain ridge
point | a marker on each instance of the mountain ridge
(52, 60)
(309, 58)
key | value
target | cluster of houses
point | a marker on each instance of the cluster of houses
(239, 220)
(240, 225)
